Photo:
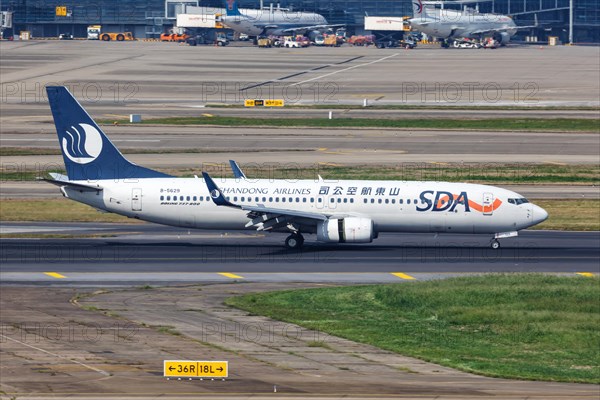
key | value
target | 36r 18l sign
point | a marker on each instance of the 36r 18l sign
(195, 369)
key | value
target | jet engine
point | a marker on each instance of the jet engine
(502, 37)
(346, 230)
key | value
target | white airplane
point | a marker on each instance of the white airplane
(458, 25)
(278, 22)
(342, 212)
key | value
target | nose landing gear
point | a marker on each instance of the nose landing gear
(495, 244)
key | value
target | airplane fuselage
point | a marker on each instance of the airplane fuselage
(266, 22)
(393, 206)
(448, 25)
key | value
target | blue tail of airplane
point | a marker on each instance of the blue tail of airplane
(87, 152)
(231, 8)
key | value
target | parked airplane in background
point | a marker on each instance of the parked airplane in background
(462, 27)
(340, 212)
(274, 21)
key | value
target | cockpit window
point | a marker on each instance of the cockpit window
(517, 201)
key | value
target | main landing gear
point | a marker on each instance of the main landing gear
(495, 244)
(294, 241)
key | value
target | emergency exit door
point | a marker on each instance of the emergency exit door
(136, 199)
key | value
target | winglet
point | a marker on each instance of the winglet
(215, 193)
(237, 171)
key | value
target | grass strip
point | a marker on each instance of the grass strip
(512, 326)
(474, 173)
(55, 210)
(422, 107)
(496, 124)
(568, 215)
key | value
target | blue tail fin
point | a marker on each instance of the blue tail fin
(231, 8)
(87, 152)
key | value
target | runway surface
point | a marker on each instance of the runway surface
(143, 253)
(163, 73)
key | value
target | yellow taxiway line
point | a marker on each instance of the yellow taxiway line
(230, 275)
(403, 276)
(55, 275)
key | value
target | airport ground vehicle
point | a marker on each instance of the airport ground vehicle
(118, 36)
(329, 40)
(174, 37)
(343, 211)
(208, 38)
(265, 42)
(93, 32)
(289, 43)
(466, 44)
(65, 36)
(361, 40)
(389, 32)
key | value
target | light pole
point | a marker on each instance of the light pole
(570, 21)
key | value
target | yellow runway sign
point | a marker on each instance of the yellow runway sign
(264, 103)
(195, 369)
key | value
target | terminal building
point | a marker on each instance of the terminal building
(150, 18)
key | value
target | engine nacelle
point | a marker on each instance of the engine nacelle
(502, 37)
(346, 230)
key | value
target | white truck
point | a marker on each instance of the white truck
(389, 31)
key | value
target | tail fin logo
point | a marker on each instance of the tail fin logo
(230, 4)
(418, 6)
(83, 145)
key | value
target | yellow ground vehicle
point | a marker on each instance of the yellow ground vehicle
(118, 36)
(265, 42)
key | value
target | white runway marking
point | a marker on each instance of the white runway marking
(344, 70)
(59, 356)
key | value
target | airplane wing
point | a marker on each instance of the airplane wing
(63, 180)
(264, 218)
(504, 29)
(312, 27)
(237, 171)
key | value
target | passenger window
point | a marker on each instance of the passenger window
(168, 198)
(195, 198)
(393, 201)
(379, 201)
(401, 201)
(332, 200)
(180, 198)
(162, 198)
(304, 199)
(387, 201)
(283, 199)
(297, 199)
(270, 199)
(372, 201)
(276, 199)
(312, 199)
(351, 200)
(408, 201)
(320, 200)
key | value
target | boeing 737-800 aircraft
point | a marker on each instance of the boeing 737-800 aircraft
(342, 212)
(276, 22)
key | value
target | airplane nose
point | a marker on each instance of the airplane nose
(539, 214)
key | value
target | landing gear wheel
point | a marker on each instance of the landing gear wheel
(294, 241)
(495, 245)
